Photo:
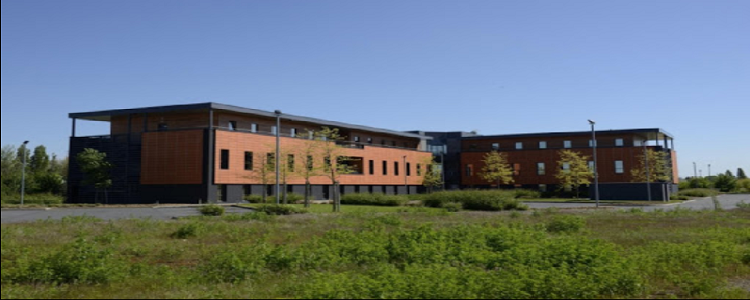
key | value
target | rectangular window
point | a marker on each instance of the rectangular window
(519, 146)
(619, 167)
(419, 170)
(369, 141)
(496, 146)
(385, 168)
(543, 145)
(328, 164)
(395, 169)
(271, 160)
(619, 143)
(248, 161)
(591, 165)
(469, 171)
(310, 163)
(225, 159)
(290, 163)
(408, 169)
(356, 139)
(543, 188)
(254, 128)
(372, 167)
(541, 169)
(273, 130)
(293, 132)
(637, 143)
(163, 127)
(566, 167)
(568, 144)
(592, 143)
(232, 126)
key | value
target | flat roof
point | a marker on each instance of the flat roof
(106, 116)
(650, 133)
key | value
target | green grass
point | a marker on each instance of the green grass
(327, 208)
(619, 202)
(369, 253)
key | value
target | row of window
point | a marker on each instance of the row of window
(232, 126)
(271, 161)
(370, 141)
(541, 168)
(566, 144)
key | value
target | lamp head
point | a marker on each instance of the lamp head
(25, 143)
(278, 112)
(592, 122)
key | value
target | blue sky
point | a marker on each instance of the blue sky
(493, 66)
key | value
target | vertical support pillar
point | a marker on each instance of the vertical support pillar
(210, 159)
(73, 134)
(145, 123)
(127, 155)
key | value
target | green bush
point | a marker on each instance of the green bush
(699, 183)
(453, 207)
(698, 193)
(294, 197)
(491, 200)
(743, 186)
(528, 194)
(679, 198)
(212, 211)
(79, 263)
(35, 199)
(376, 199)
(743, 205)
(566, 224)
(280, 210)
(191, 230)
(255, 199)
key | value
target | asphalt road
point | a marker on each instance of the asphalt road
(23, 216)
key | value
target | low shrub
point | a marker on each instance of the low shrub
(743, 205)
(374, 200)
(679, 198)
(212, 211)
(294, 197)
(698, 193)
(453, 207)
(255, 199)
(79, 263)
(528, 194)
(492, 200)
(35, 199)
(566, 224)
(191, 230)
(743, 186)
(280, 210)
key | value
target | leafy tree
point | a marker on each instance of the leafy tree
(51, 183)
(577, 173)
(307, 155)
(741, 174)
(433, 178)
(335, 161)
(40, 162)
(729, 173)
(97, 169)
(700, 183)
(264, 170)
(725, 183)
(11, 171)
(23, 152)
(497, 169)
(658, 167)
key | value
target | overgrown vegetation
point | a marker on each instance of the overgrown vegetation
(698, 193)
(548, 255)
(490, 200)
(212, 211)
(280, 210)
(376, 199)
(45, 176)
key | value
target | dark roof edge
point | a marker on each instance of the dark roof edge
(230, 108)
(552, 134)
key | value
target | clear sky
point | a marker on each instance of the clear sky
(498, 67)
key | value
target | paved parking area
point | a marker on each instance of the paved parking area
(23, 216)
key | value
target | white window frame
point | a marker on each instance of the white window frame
(543, 145)
(619, 167)
(566, 167)
(495, 146)
(541, 169)
(519, 145)
(619, 143)
(254, 128)
(568, 144)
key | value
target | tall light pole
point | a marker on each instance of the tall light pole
(695, 169)
(442, 167)
(648, 172)
(596, 167)
(709, 170)
(23, 174)
(278, 152)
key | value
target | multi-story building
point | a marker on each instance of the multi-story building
(211, 152)
(534, 157)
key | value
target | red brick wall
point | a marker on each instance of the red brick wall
(172, 157)
(239, 143)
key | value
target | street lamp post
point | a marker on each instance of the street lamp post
(695, 169)
(442, 167)
(709, 170)
(406, 176)
(23, 174)
(278, 150)
(596, 169)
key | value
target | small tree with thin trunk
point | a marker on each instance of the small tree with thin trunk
(335, 161)
(741, 174)
(497, 169)
(574, 171)
(264, 171)
(97, 169)
(433, 178)
(658, 167)
(308, 154)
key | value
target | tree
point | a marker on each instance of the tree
(307, 154)
(496, 169)
(658, 167)
(335, 161)
(729, 173)
(96, 168)
(725, 183)
(741, 174)
(574, 171)
(264, 170)
(11, 171)
(433, 178)
(39, 163)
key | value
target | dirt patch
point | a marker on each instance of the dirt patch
(741, 284)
